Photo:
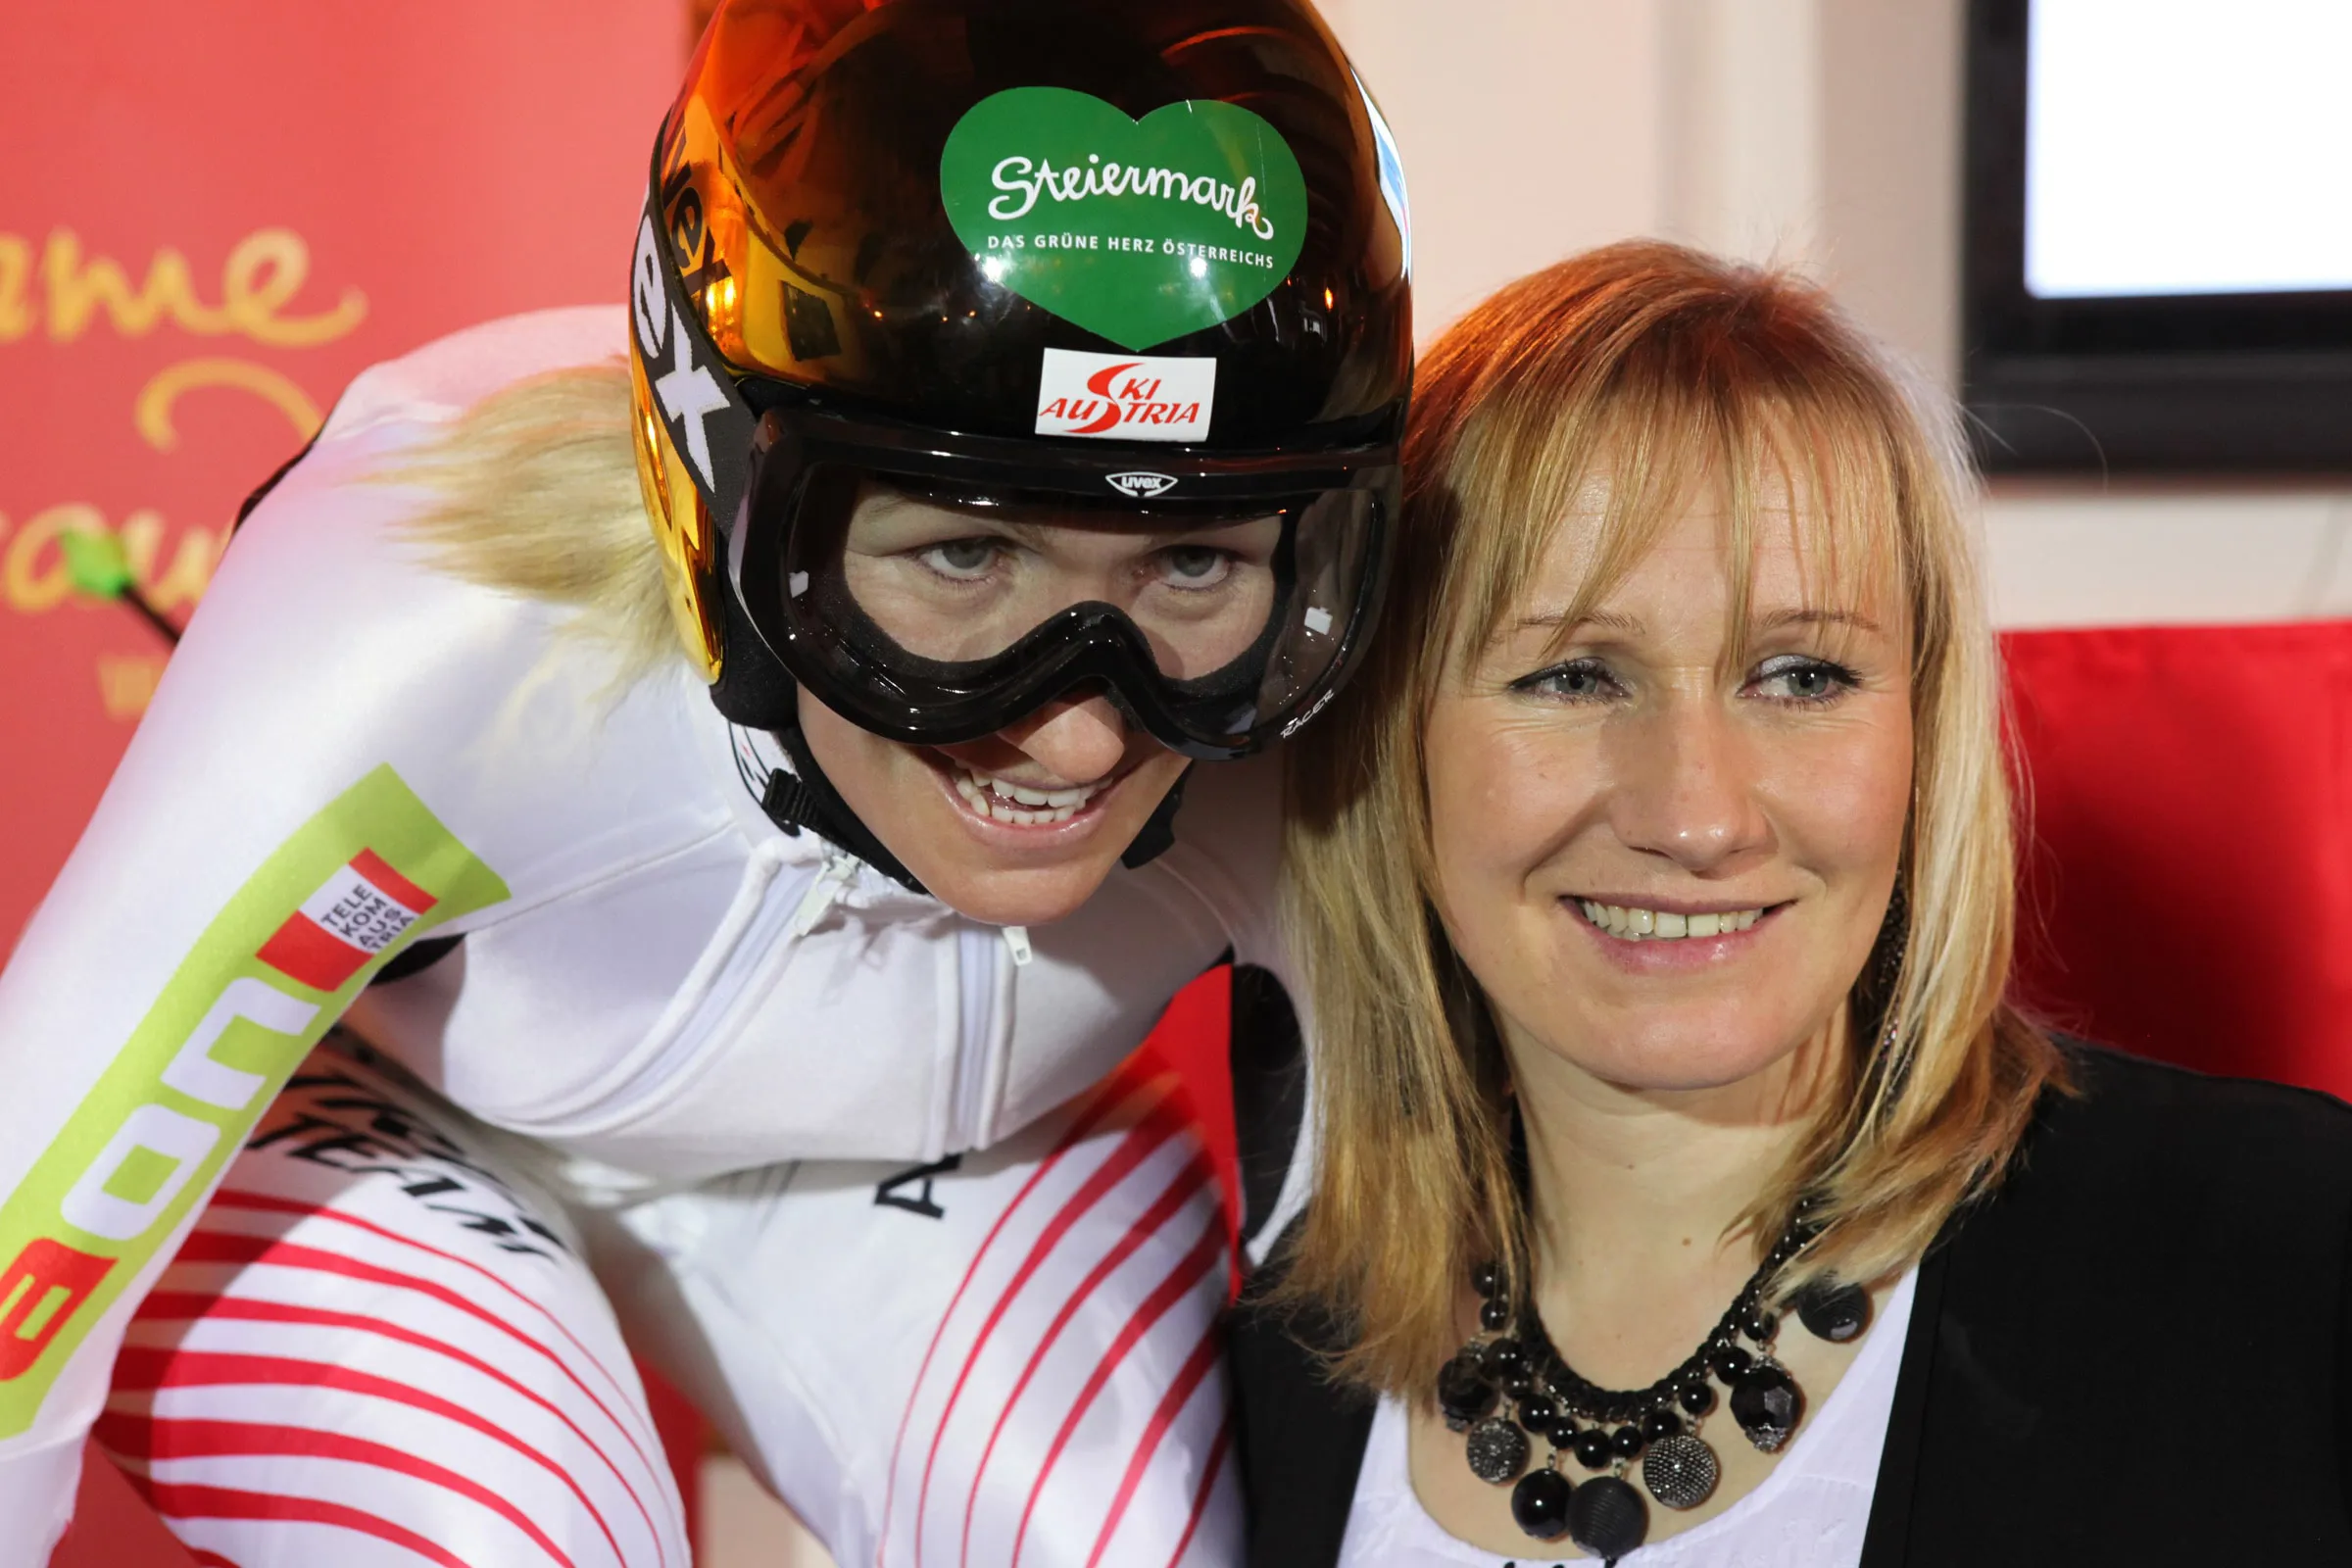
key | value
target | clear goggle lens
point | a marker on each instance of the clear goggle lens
(1241, 609)
(954, 585)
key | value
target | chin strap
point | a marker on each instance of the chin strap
(756, 692)
(806, 799)
(1160, 831)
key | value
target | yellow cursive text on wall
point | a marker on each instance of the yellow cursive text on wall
(151, 410)
(260, 279)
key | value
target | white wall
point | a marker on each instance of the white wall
(1529, 129)
(1820, 132)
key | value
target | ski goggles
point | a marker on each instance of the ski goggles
(935, 588)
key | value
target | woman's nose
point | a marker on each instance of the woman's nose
(1685, 787)
(1079, 741)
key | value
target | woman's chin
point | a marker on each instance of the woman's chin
(1023, 898)
(1694, 1072)
(1666, 1050)
(1015, 875)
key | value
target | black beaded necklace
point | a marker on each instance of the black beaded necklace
(1609, 1429)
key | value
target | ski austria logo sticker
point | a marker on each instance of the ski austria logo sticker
(1138, 230)
(1126, 397)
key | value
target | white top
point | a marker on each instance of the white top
(1810, 1512)
(355, 749)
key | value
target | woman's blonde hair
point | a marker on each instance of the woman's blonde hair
(1649, 365)
(534, 492)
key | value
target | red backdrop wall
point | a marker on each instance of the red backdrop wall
(211, 216)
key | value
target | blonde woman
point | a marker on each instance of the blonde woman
(1689, 1193)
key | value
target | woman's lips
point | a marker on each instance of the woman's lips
(1651, 923)
(1647, 937)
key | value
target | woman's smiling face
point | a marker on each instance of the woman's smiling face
(1596, 789)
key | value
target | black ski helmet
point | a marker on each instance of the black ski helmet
(1137, 256)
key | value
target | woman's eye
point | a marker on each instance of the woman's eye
(1194, 566)
(1578, 680)
(961, 558)
(1797, 679)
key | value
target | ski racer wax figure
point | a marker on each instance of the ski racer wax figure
(754, 901)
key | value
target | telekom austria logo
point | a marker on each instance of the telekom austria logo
(1125, 397)
(361, 908)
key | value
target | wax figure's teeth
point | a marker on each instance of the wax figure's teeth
(1664, 925)
(1022, 805)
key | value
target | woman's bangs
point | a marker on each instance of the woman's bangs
(1634, 459)
(1618, 463)
(1830, 469)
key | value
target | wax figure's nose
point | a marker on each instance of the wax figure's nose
(1684, 789)
(1078, 739)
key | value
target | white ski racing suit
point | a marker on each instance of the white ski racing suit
(857, 1176)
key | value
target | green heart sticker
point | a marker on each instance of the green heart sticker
(1139, 230)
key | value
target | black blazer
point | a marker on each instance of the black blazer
(2138, 1352)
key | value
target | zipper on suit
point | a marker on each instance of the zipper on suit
(984, 952)
(833, 879)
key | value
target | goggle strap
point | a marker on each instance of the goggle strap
(753, 689)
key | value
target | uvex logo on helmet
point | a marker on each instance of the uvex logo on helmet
(1142, 483)
(1125, 397)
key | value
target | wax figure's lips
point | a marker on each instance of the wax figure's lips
(1023, 804)
(1007, 810)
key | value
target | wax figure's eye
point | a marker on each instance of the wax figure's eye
(963, 559)
(1801, 680)
(1578, 680)
(1194, 566)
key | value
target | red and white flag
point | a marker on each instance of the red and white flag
(360, 911)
